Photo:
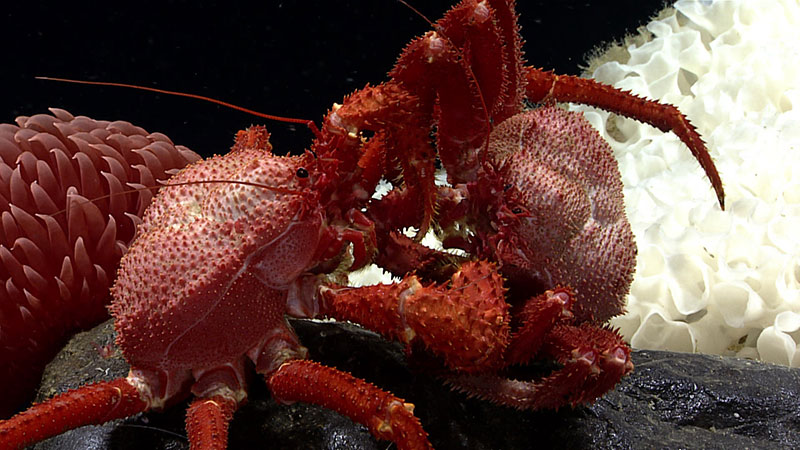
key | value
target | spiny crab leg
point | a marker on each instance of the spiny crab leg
(387, 416)
(465, 321)
(94, 404)
(537, 316)
(546, 85)
(594, 359)
(207, 421)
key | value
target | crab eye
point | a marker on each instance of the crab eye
(302, 172)
(516, 210)
(506, 187)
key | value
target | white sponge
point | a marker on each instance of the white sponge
(712, 281)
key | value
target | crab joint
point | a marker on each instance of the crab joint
(436, 46)
(338, 123)
(481, 12)
(414, 285)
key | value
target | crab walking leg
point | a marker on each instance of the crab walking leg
(207, 422)
(609, 354)
(386, 416)
(594, 358)
(538, 316)
(544, 85)
(465, 321)
(89, 405)
(551, 392)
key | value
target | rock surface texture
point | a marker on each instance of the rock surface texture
(672, 400)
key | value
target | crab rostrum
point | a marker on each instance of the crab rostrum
(235, 244)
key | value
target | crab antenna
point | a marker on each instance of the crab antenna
(416, 11)
(309, 123)
(189, 183)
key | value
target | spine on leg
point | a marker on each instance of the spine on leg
(89, 405)
(387, 417)
(207, 422)
(538, 317)
(464, 321)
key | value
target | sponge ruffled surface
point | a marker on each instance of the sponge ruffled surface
(712, 281)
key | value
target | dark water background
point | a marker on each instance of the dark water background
(292, 58)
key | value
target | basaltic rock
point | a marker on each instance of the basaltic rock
(671, 400)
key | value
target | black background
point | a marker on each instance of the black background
(291, 58)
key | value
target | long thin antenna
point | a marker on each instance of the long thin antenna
(188, 183)
(309, 123)
(416, 11)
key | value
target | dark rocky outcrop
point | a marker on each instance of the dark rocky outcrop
(671, 400)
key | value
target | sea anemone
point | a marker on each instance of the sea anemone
(72, 190)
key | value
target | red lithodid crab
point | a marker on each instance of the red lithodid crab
(536, 192)
(245, 239)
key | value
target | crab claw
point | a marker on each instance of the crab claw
(465, 321)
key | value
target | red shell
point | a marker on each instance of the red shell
(577, 234)
(175, 303)
(59, 252)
